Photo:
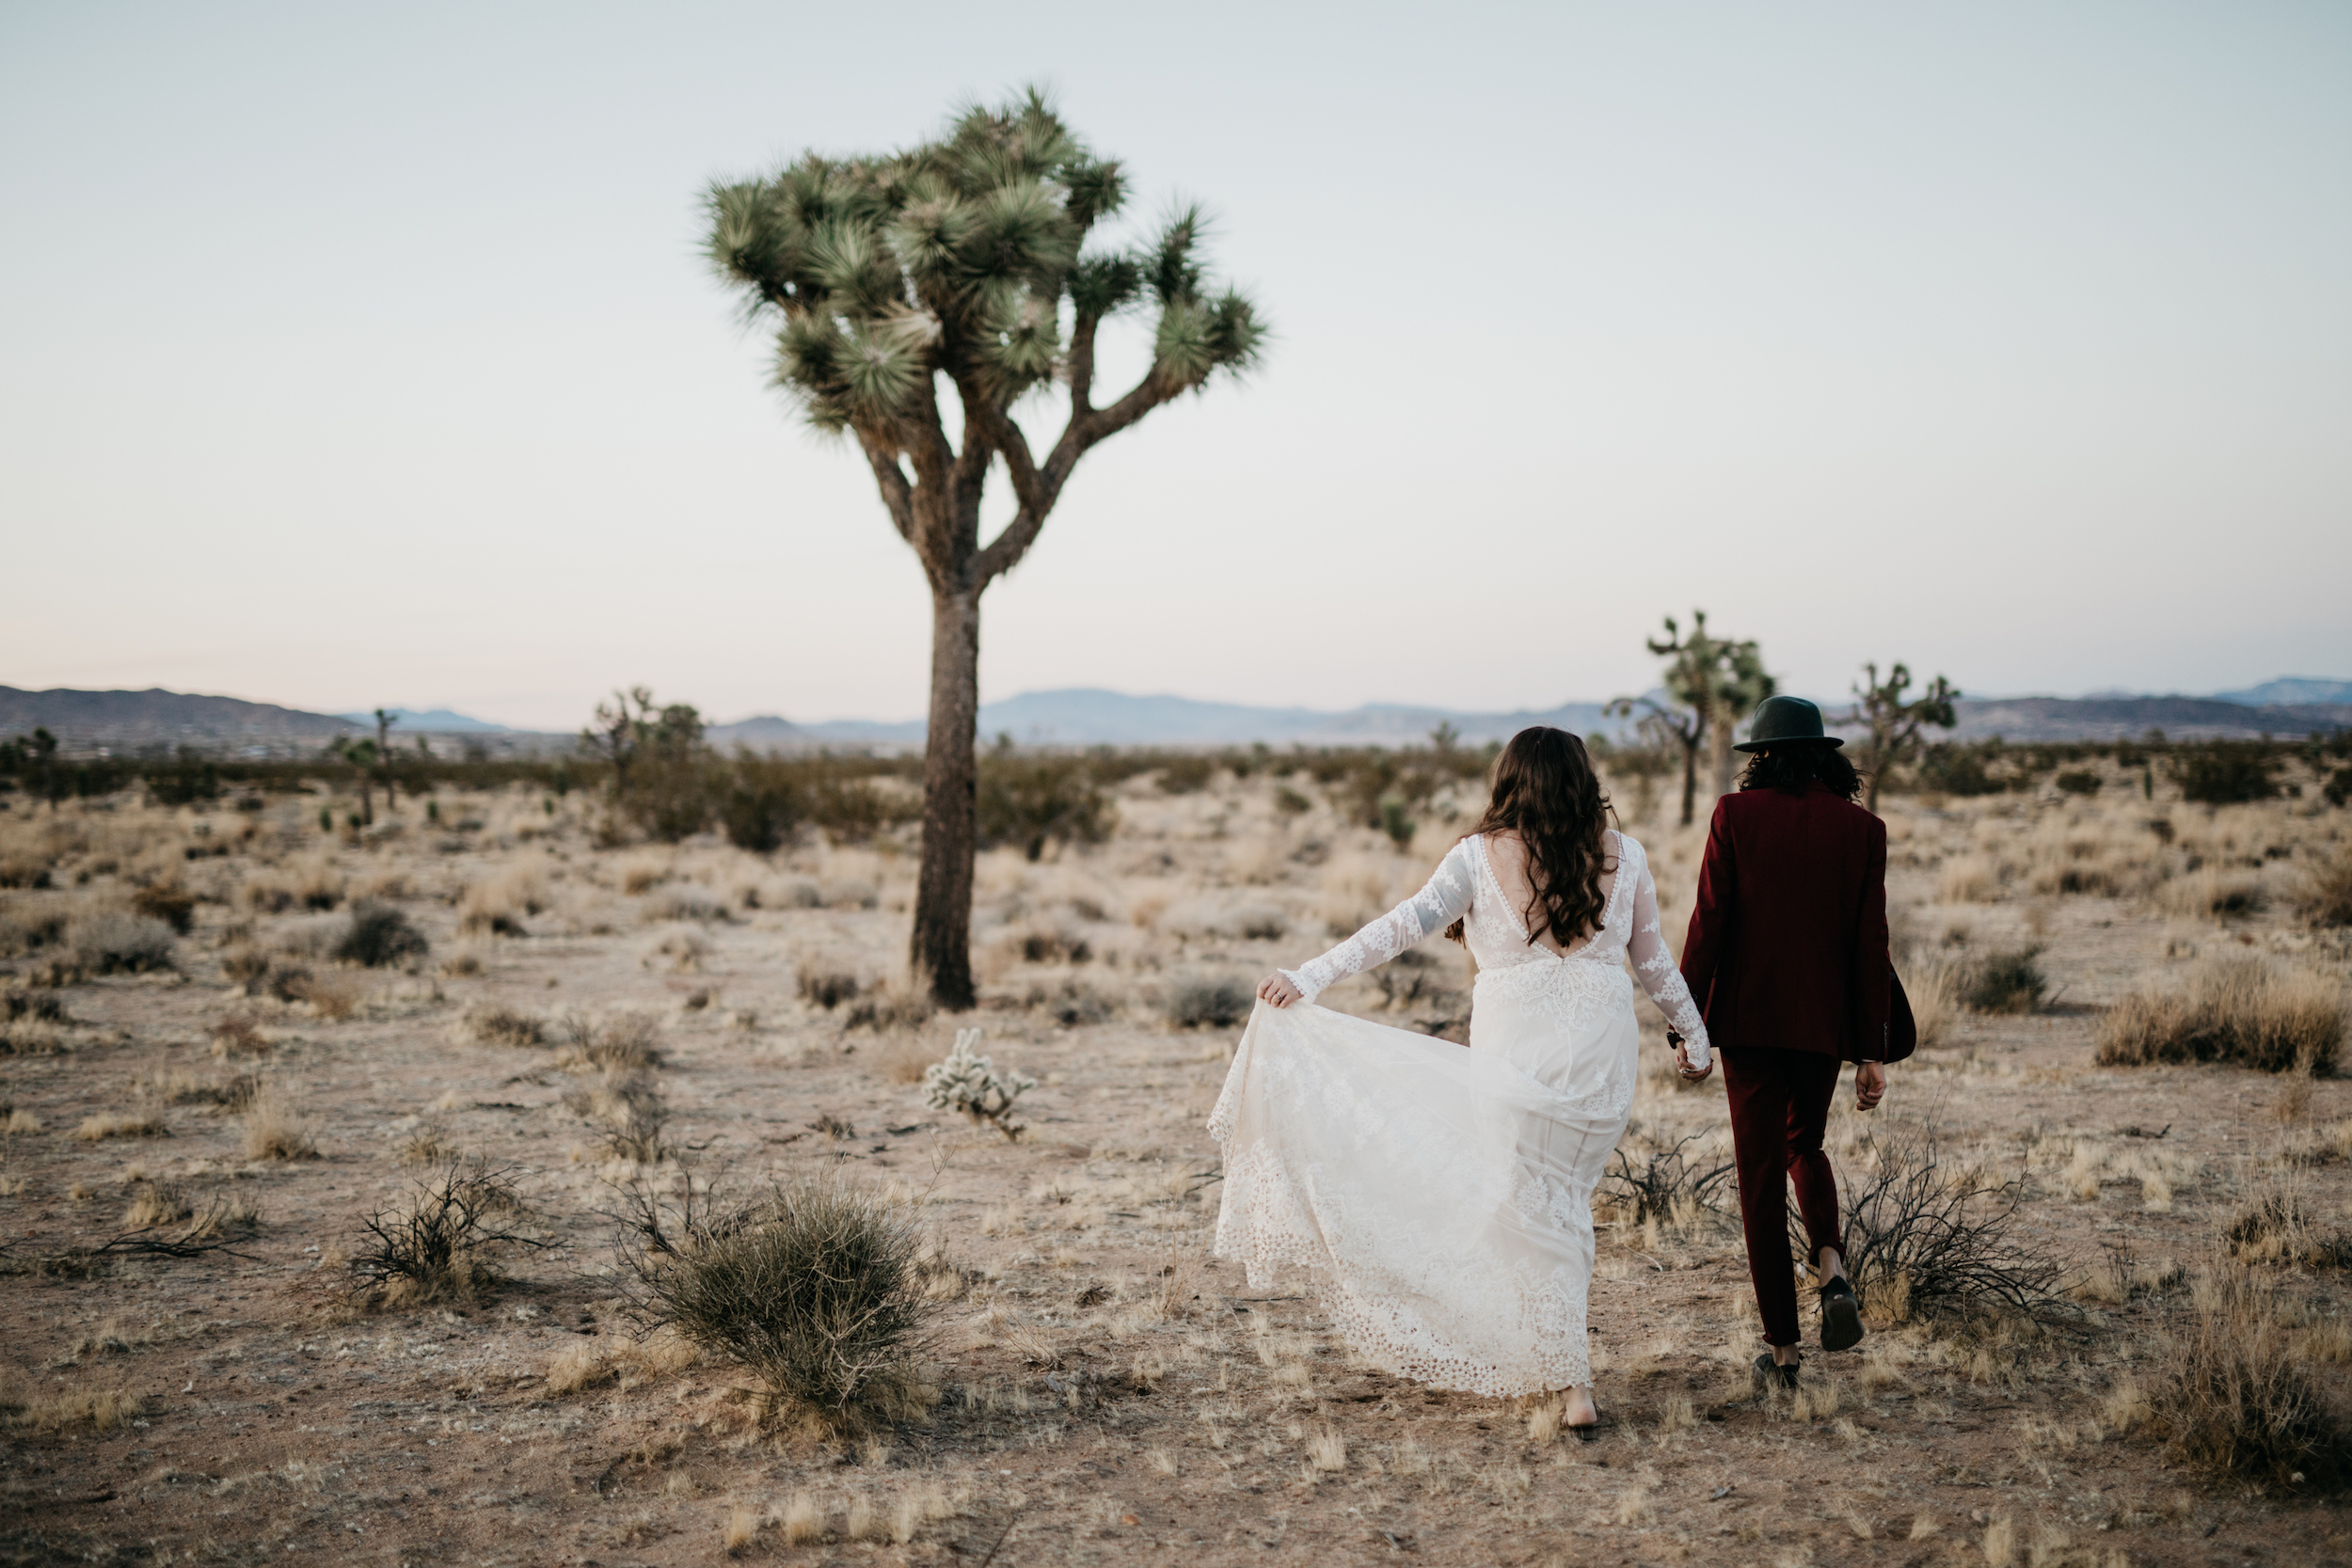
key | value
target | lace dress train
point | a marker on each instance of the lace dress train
(1441, 1199)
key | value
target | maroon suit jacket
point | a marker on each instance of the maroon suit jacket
(1788, 943)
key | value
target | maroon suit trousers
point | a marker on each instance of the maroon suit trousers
(1779, 1109)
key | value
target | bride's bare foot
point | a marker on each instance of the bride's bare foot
(1578, 1413)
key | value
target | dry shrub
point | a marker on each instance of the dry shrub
(1210, 1003)
(380, 937)
(640, 875)
(2276, 1226)
(29, 923)
(2004, 982)
(827, 989)
(2237, 1399)
(117, 941)
(443, 1241)
(687, 904)
(627, 1111)
(492, 1024)
(2215, 891)
(619, 1042)
(275, 1126)
(310, 884)
(2239, 1007)
(168, 902)
(1668, 1185)
(814, 1286)
(328, 996)
(1929, 1238)
(2326, 897)
(1969, 880)
(892, 1006)
(182, 1089)
(500, 904)
(901, 1060)
(238, 1035)
(581, 1365)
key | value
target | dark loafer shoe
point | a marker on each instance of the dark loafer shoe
(1841, 1316)
(1772, 1375)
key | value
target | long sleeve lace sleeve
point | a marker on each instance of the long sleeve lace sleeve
(1655, 966)
(1445, 900)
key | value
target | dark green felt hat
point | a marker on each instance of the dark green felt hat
(1785, 721)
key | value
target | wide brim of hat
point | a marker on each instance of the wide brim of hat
(1790, 740)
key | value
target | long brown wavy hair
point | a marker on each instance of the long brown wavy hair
(1547, 793)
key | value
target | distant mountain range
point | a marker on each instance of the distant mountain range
(438, 721)
(1084, 716)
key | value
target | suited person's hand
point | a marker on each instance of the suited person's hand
(1275, 991)
(1869, 1084)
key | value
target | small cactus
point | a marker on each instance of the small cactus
(970, 1083)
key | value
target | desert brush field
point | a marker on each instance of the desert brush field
(413, 1193)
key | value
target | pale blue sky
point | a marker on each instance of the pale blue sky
(363, 355)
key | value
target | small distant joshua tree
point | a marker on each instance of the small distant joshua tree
(964, 260)
(362, 755)
(969, 1083)
(384, 723)
(1894, 723)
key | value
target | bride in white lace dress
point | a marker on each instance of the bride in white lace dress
(1442, 1197)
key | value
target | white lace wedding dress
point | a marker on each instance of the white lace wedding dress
(1443, 1198)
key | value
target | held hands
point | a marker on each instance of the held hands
(1682, 1060)
(1869, 1084)
(1275, 991)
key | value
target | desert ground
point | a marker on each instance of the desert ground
(1096, 1388)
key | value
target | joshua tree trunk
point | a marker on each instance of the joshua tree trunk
(1690, 780)
(941, 946)
(1718, 750)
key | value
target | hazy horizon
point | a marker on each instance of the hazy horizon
(372, 352)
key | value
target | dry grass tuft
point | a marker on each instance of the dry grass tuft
(803, 1520)
(618, 1042)
(2240, 1007)
(143, 1124)
(275, 1126)
(2239, 1400)
(102, 1409)
(501, 903)
(2326, 897)
(491, 1025)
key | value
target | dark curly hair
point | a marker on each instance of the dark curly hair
(1547, 793)
(1799, 766)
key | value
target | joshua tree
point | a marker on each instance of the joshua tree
(1895, 723)
(956, 260)
(617, 730)
(1661, 725)
(384, 723)
(41, 754)
(362, 755)
(1711, 682)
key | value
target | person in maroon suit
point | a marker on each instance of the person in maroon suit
(1787, 957)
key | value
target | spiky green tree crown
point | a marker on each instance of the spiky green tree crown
(955, 256)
